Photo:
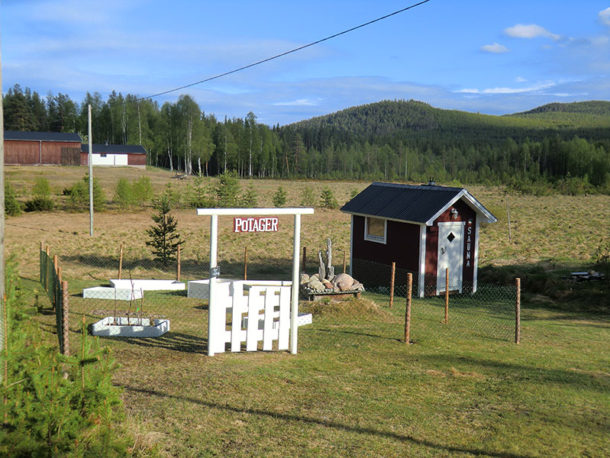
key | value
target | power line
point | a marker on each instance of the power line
(277, 56)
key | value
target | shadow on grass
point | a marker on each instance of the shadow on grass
(531, 374)
(326, 423)
(364, 334)
(171, 341)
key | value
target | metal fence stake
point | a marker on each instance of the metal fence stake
(65, 308)
(518, 312)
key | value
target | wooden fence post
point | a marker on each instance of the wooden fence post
(447, 295)
(305, 259)
(392, 276)
(408, 310)
(518, 312)
(245, 263)
(178, 264)
(345, 262)
(5, 375)
(121, 261)
(47, 266)
(65, 319)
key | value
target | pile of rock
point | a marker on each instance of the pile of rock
(337, 284)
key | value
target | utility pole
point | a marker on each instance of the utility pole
(90, 174)
(3, 323)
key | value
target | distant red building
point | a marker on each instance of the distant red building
(37, 148)
(424, 229)
(60, 148)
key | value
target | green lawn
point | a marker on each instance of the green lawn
(355, 388)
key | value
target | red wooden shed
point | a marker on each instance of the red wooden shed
(424, 229)
(37, 148)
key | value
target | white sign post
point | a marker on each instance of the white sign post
(214, 213)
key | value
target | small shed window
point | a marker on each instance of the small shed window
(375, 229)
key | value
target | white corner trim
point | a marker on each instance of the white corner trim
(476, 256)
(457, 197)
(472, 203)
(351, 246)
(421, 278)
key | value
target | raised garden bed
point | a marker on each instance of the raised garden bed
(129, 327)
(333, 295)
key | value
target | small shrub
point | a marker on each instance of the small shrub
(199, 194)
(12, 207)
(227, 190)
(307, 197)
(327, 199)
(39, 204)
(123, 193)
(250, 197)
(41, 188)
(42, 197)
(142, 190)
(279, 198)
(79, 195)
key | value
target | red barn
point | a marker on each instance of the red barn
(424, 229)
(37, 148)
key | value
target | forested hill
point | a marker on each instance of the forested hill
(402, 120)
(593, 107)
(563, 146)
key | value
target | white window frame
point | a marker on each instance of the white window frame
(376, 238)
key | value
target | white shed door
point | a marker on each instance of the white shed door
(450, 255)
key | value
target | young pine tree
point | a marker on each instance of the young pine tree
(164, 237)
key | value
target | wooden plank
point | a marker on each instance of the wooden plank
(239, 307)
(218, 318)
(255, 303)
(270, 300)
(284, 323)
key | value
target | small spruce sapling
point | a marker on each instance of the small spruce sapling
(164, 237)
(327, 199)
(279, 198)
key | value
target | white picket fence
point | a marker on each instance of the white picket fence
(246, 313)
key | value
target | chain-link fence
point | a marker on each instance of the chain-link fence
(114, 283)
(459, 308)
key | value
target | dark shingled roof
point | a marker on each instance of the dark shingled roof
(416, 204)
(99, 148)
(42, 136)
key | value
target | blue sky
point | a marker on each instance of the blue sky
(485, 56)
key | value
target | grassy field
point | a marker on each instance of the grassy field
(355, 388)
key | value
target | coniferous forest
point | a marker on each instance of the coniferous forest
(555, 147)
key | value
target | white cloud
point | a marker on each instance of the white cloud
(529, 31)
(604, 16)
(509, 90)
(297, 103)
(520, 79)
(495, 48)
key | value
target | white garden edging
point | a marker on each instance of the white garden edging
(149, 285)
(129, 327)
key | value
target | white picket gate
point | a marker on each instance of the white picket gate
(249, 315)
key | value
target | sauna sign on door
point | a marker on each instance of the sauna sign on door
(255, 224)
